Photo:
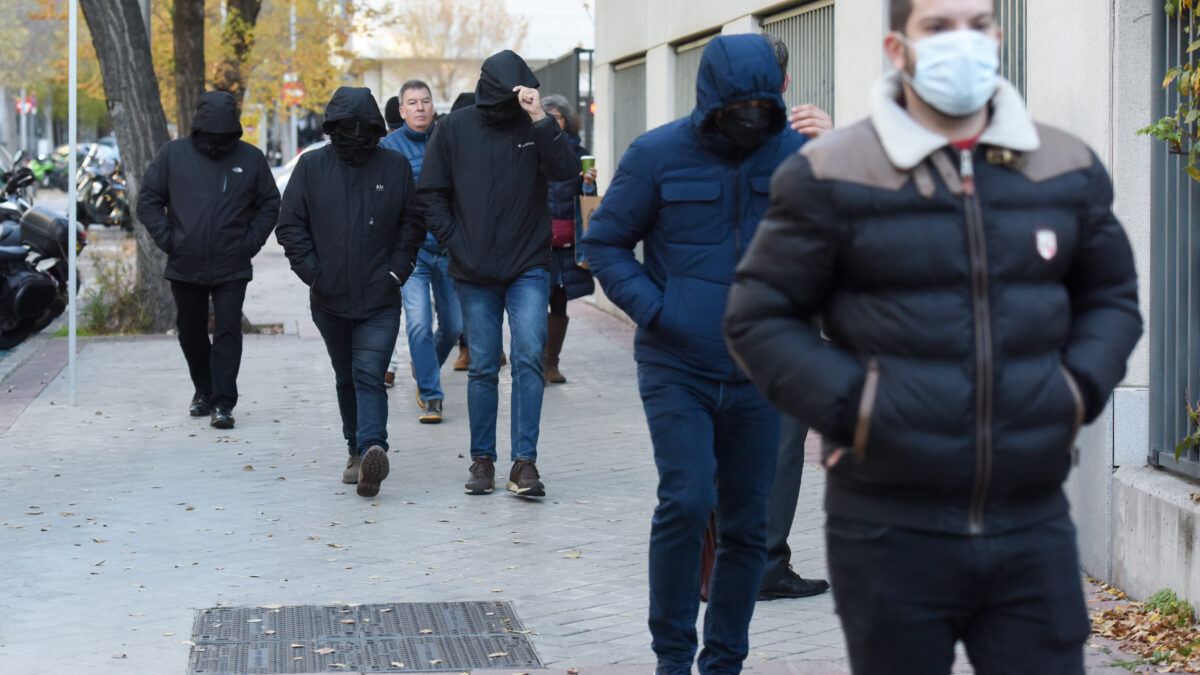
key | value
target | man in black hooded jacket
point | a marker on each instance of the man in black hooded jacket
(483, 189)
(209, 202)
(350, 228)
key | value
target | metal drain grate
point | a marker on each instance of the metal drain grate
(397, 637)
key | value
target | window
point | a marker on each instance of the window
(808, 33)
(1011, 16)
(628, 103)
(687, 68)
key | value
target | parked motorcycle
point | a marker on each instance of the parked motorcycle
(49, 171)
(101, 191)
(34, 277)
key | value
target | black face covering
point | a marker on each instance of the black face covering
(214, 146)
(503, 115)
(747, 126)
(354, 142)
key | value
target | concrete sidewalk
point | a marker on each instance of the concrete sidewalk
(122, 516)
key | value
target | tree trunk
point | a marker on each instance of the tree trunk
(187, 16)
(237, 38)
(131, 92)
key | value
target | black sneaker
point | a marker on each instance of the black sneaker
(432, 414)
(483, 476)
(200, 405)
(371, 472)
(790, 585)
(221, 417)
(524, 479)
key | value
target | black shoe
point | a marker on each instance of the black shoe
(483, 476)
(790, 585)
(524, 479)
(432, 413)
(221, 417)
(200, 405)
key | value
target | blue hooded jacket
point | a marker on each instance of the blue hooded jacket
(412, 144)
(694, 201)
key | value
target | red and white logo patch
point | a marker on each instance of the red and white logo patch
(1047, 243)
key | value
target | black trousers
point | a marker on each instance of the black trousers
(785, 491)
(213, 365)
(905, 597)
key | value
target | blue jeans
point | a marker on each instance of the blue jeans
(359, 350)
(905, 597)
(483, 307)
(715, 445)
(428, 349)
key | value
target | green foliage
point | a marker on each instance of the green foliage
(1174, 611)
(1193, 413)
(1178, 130)
(114, 305)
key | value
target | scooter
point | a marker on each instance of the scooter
(101, 191)
(34, 277)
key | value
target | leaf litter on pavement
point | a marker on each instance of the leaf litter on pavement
(1162, 631)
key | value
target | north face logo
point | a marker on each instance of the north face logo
(379, 187)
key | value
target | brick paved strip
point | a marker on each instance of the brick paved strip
(25, 383)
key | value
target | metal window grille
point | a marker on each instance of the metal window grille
(570, 75)
(1174, 330)
(808, 33)
(628, 103)
(687, 69)
(1011, 15)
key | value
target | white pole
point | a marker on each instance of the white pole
(72, 129)
(24, 120)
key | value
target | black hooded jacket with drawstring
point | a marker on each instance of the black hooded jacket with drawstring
(210, 215)
(483, 182)
(351, 233)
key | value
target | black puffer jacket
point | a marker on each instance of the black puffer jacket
(483, 189)
(210, 216)
(973, 325)
(348, 229)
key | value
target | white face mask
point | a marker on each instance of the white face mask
(956, 71)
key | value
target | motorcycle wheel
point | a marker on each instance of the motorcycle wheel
(14, 337)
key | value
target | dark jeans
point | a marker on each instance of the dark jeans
(359, 350)
(785, 491)
(905, 597)
(213, 365)
(704, 429)
(483, 307)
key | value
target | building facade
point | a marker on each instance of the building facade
(1092, 68)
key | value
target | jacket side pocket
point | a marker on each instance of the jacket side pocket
(1077, 395)
(866, 407)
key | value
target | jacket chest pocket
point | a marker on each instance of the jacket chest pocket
(688, 212)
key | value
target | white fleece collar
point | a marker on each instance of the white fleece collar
(907, 143)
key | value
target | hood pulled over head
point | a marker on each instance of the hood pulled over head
(354, 124)
(738, 94)
(216, 127)
(494, 96)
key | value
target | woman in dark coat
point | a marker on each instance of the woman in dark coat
(568, 280)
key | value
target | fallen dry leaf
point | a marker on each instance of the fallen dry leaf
(426, 631)
(296, 645)
(324, 651)
(576, 554)
(99, 541)
(248, 467)
(496, 655)
(397, 664)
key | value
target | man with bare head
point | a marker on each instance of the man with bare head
(980, 302)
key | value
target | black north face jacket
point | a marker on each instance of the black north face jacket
(210, 216)
(351, 233)
(980, 306)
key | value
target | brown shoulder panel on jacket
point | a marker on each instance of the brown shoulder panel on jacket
(1060, 153)
(853, 155)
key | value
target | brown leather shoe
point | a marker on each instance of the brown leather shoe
(463, 362)
(371, 472)
(503, 359)
(350, 475)
(524, 479)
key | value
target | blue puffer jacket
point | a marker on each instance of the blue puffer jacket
(412, 144)
(694, 201)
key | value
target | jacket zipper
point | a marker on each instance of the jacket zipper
(984, 376)
(737, 234)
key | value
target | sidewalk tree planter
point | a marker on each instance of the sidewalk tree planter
(131, 92)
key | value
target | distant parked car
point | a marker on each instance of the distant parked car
(283, 173)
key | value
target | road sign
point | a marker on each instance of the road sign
(293, 93)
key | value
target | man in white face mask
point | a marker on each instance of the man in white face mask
(980, 301)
